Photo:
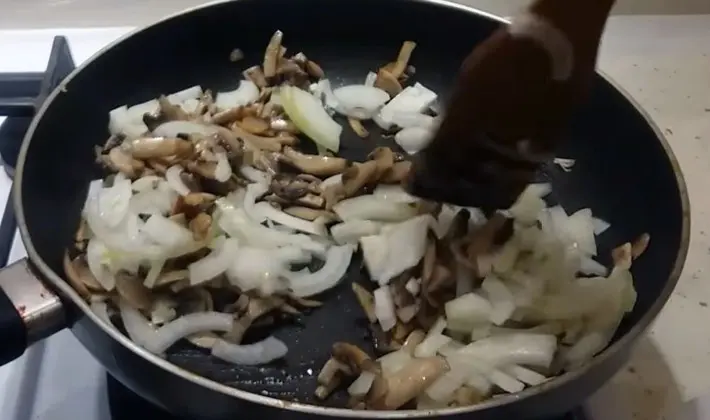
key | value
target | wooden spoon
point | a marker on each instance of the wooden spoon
(513, 95)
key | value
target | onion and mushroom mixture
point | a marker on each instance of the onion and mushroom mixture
(209, 199)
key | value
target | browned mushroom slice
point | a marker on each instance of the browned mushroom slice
(314, 164)
(401, 331)
(204, 340)
(157, 166)
(388, 82)
(622, 256)
(227, 116)
(272, 54)
(384, 157)
(409, 382)
(172, 277)
(132, 290)
(332, 368)
(282, 124)
(354, 357)
(200, 226)
(123, 162)
(397, 173)
(358, 176)
(306, 303)
(314, 70)
(306, 213)
(205, 102)
(366, 300)
(256, 75)
(286, 139)
(158, 147)
(358, 128)
(113, 141)
(254, 125)
(82, 235)
(466, 396)
(79, 276)
(413, 340)
(255, 141)
(428, 262)
(203, 169)
(257, 308)
(405, 54)
(640, 245)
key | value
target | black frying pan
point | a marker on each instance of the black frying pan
(625, 172)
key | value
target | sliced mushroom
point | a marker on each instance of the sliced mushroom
(622, 256)
(332, 368)
(413, 340)
(640, 245)
(286, 139)
(257, 308)
(170, 112)
(358, 128)
(80, 277)
(314, 164)
(385, 159)
(254, 125)
(227, 116)
(483, 240)
(204, 340)
(428, 263)
(306, 213)
(405, 54)
(205, 102)
(466, 396)
(354, 357)
(281, 124)
(366, 300)
(306, 303)
(82, 235)
(203, 169)
(388, 82)
(397, 173)
(254, 141)
(256, 75)
(314, 70)
(409, 382)
(401, 331)
(120, 161)
(272, 54)
(113, 141)
(157, 147)
(132, 290)
(172, 277)
(358, 175)
(292, 73)
(200, 226)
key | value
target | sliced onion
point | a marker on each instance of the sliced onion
(352, 231)
(525, 375)
(370, 79)
(311, 118)
(407, 241)
(266, 211)
(394, 193)
(585, 349)
(194, 323)
(369, 207)
(153, 273)
(113, 202)
(260, 353)
(384, 308)
(580, 227)
(501, 298)
(137, 327)
(394, 362)
(181, 96)
(245, 94)
(600, 226)
(505, 382)
(414, 119)
(253, 193)
(374, 252)
(145, 183)
(216, 263)
(175, 128)
(431, 345)
(252, 268)
(413, 139)
(565, 164)
(223, 170)
(591, 267)
(254, 175)
(236, 223)
(337, 261)
(361, 386)
(96, 254)
(172, 176)
(527, 349)
(158, 201)
(190, 105)
(360, 101)
(163, 311)
(466, 311)
(323, 90)
(101, 310)
(442, 390)
(166, 232)
(413, 99)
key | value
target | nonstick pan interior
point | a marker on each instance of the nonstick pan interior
(622, 171)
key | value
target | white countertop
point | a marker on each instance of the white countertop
(664, 62)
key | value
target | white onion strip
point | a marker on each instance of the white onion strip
(186, 325)
(259, 353)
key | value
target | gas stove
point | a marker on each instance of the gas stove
(55, 379)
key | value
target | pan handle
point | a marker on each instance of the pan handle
(29, 311)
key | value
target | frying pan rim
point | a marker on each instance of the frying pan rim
(627, 339)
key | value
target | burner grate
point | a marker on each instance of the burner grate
(21, 94)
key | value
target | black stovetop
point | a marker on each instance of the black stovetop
(21, 94)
